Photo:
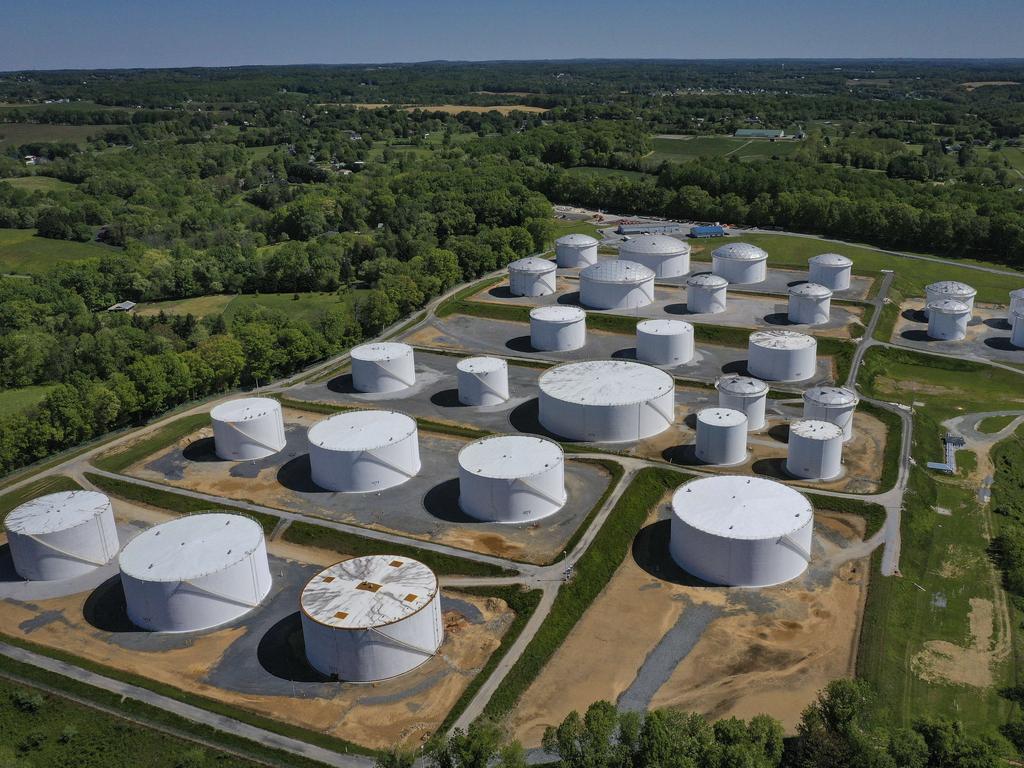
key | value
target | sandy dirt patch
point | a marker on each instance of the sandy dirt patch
(942, 661)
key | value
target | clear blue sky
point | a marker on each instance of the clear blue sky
(51, 34)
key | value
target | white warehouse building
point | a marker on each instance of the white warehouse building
(362, 451)
(740, 263)
(606, 401)
(745, 394)
(531, 276)
(833, 270)
(575, 250)
(741, 531)
(815, 450)
(482, 381)
(706, 294)
(248, 428)
(949, 289)
(948, 319)
(557, 328)
(195, 572)
(665, 256)
(721, 436)
(780, 355)
(371, 618)
(386, 366)
(834, 404)
(511, 478)
(809, 304)
(664, 342)
(616, 284)
(62, 535)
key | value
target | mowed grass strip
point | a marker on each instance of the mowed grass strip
(23, 252)
(119, 459)
(39, 184)
(40, 487)
(17, 400)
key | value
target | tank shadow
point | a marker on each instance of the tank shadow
(106, 608)
(690, 420)
(736, 366)
(916, 334)
(774, 468)
(629, 353)
(677, 309)
(914, 315)
(572, 299)
(525, 418)
(796, 282)
(282, 653)
(778, 318)
(682, 454)
(520, 344)
(650, 552)
(7, 572)
(342, 384)
(442, 502)
(447, 398)
(500, 292)
(999, 323)
(295, 475)
(1001, 343)
(201, 450)
(779, 433)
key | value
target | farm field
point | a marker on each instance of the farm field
(307, 306)
(682, 149)
(16, 134)
(21, 252)
(39, 184)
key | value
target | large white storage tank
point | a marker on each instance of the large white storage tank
(706, 294)
(1017, 337)
(371, 618)
(741, 531)
(809, 304)
(947, 319)
(949, 289)
(834, 404)
(195, 572)
(664, 342)
(815, 450)
(665, 255)
(61, 535)
(362, 451)
(248, 428)
(745, 394)
(511, 478)
(616, 284)
(779, 355)
(721, 436)
(833, 270)
(531, 276)
(606, 401)
(1016, 303)
(575, 250)
(385, 366)
(557, 329)
(740, 263)
(482, 381)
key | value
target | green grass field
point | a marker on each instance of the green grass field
(16, 134)
(1015, 156)
(14, 400)
(39, 184)
(590, 170)
(994, 424)
(306, 307)
(21, 252)
(683, 149)
(568, 227)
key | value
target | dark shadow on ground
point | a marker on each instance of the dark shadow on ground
(7, 572)
(780, 433)
(296, 475)
(447, 398)
(914, 315)
(520, 344)
(442, 502)
(999, 324)
(201, 450)
(916, 334)
(681, 454)
(1001, 343)
(572, 299)
(774, 468)
(736, 366)
(796, 282)
(650, 551)
(281, 652)
(342, 384)
(677, 309)
(526, 418)
(501, 292)
(106, 608)
(629, 353)
(778, 318)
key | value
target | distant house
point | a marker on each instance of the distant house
(122, 306)
(711, 230)
(759, 133)
(650, 228)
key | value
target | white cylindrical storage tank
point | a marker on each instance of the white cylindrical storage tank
(385, 366)
(558, 328)
(778, 355)
(809, 304)
(834, 404)
(706, 294)
(740, 263)
(511, 478)
(721, 436)
(833, 270)
(949, 289)
(575, 250)
(947, 319)
(741, 531)
(815, 450)
(1016, 303)
(746, 395)
(361, 451)
(248, 428)
(195, 572)
(371, 618)
(606, 401)
(616, 285)
(531, 276)
(1017, 339)
(482, 381)
(664, 342)
(61, 535)
(664, 255)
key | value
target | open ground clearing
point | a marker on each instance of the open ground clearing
(307, 306)
(14, 400)
(22, 252)
(38, 184)
(691, 147)
(988, 334)
(16, 134)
